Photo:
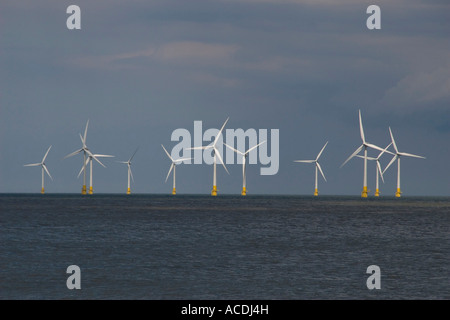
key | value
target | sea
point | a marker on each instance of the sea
(229, 247)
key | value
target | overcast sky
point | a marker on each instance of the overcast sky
(138, 70)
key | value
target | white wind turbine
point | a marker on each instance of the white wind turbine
(44, 168)
(85, 150)
(130, 174)
(364, 147)
(244, 160)
(397, 156)
(318, 168)
(89, 160)
(379, 172)
(173, 166)
(216, 155)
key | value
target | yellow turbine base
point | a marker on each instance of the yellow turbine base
(364, 192)
(91, 191)
(244, 191)
(214, 191)
(377, 192)
(174, 191)
(316, 192)
(42, 191)
(128, 190)
(398, 194)
(83, 190)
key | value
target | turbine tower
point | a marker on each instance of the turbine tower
(379, 172)
(89, 161)
(173, 166)
(130, 174)
(216, 155)
(397, 156)
(43, 167)
(244, 160)
(318, 168)
(364, 147)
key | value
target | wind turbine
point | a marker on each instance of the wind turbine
(216, 155)
(44, 168)
(244, 160)
(130, 174)
(379, 172)
(84, 149)
(397, 157)
(173, 166)
(318, 168)
(89, 160)
(364, 146)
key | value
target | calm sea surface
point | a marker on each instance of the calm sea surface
(226, 247)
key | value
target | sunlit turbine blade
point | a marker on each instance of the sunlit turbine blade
(84, 166)
(95, 158)
(361, 130)
(410, 155)
(104, 156)
(320, 153)
(32, 165)
(220, 158)
(393, 141)
(320, 169)
(380, 171)
(353, 154)
(43, 159)
(170, 170)
(199, 148)
(170, 157)
(391, 162)
(368, 158)
(220, 132)
(73, 153)
(85, 132)
(131, 172)
(370, 145)
(122, 162)
(182, 159)
(254, 147)
(385, 150)
(235, 150)
(46, 170)
(82, 140)
(305, 161)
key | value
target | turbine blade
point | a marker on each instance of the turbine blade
(393, 141)
(198, 148)
(84, 166)
(182, 159)
(320, 169)
(235, 150)
(73, 153)
(46, 170)
(305, 161)
(95, 158)
(104, 156)
(43, 159)
(254, 147)
(220, 132)
(385, 150)
(410, 155)
(370, 145)
(131, 172)
(122, 162)
(368, 158)
(32, 165)
(167, 153)
(85, 132)
(361, 129)
(220, 158)
(353, 154)
(170, 170)
(391, 162)
(133, 154)
(320, 153)
(379, 170)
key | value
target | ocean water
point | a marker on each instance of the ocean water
(226, 247)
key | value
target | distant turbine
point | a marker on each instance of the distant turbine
(89, 160)
(216, 155)
(378, 168)
(364, 146)
(85, 150)
(244, 158)
(173, 166)
(130, 174)
(44, 168)
(397, 157)
(317, 165)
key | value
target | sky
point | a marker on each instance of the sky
(139, 70)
